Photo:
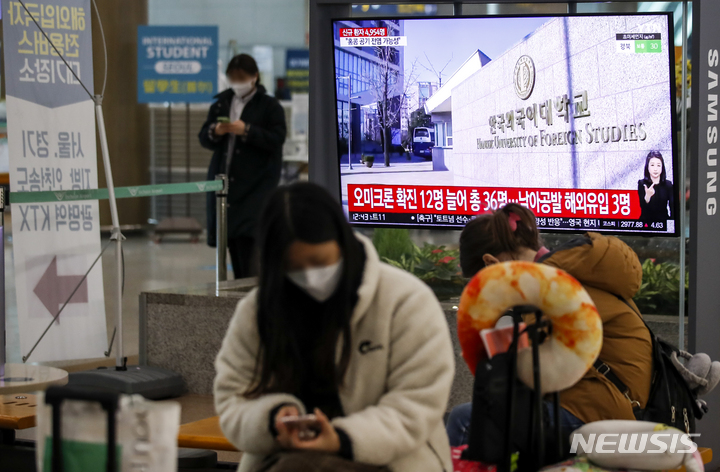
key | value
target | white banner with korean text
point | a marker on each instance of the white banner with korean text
(51, 138)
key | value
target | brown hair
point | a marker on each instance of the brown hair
(493, 234)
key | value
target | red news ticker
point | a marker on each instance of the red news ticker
(560, 203)
(363, 32)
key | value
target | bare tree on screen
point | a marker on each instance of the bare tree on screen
(436, 72)
(391, 89)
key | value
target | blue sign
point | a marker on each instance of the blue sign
(177, 63)
(297, 66)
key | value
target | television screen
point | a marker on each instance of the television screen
(443, 119)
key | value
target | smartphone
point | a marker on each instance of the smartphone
(498, 340)
(223, 119)
(308, 426)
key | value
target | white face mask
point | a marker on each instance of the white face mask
(318, 282)
(242, 88)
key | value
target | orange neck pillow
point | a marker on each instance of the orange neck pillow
(576, 338)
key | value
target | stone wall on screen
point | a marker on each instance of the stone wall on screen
(570, 55)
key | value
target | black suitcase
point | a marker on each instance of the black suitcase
(109, 401)
(509, 423)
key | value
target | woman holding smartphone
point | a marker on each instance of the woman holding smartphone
(245, 129)
(334, 332)
(655, 191)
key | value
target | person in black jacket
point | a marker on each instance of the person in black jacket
(245, 129)
(655, 191)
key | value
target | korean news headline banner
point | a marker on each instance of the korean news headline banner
(177, 63)
(561, 209)
(51, 138)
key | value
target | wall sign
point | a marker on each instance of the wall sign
(177, 63)
(297, 67)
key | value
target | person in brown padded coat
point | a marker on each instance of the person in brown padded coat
(611, 273)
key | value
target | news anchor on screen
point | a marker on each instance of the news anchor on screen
(655, 191)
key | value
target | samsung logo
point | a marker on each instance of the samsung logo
(712, 133)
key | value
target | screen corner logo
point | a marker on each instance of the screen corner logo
(524, 77)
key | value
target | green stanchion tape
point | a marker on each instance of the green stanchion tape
(120, 192)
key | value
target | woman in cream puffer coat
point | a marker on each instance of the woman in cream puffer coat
(399, 366)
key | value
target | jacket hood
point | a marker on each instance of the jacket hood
(370, 278)
(602, 262)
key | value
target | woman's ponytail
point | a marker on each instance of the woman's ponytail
(508, 230)
(523, 227)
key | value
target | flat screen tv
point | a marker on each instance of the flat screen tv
(443, 119)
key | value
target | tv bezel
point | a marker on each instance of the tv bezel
(674, 125)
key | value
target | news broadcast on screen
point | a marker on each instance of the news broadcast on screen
(443, 119)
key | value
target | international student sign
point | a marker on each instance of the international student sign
(177, 63)
(51, 139)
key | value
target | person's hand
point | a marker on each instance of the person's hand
(237, 127)
(649, 192)
(285, 434)
(222, 129)
(327, 439)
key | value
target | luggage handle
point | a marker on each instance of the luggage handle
(537, 437)
(55, 396)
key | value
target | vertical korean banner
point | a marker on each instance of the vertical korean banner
(51, 137)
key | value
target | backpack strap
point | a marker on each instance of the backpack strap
(604, 369)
